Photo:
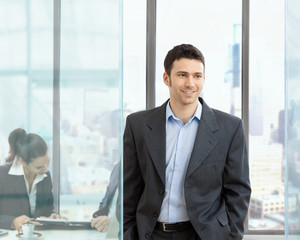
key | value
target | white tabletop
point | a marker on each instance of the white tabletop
(62, 234)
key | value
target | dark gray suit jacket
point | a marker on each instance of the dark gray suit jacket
(14, 200)
(217, 186)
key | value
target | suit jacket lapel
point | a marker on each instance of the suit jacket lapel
(156, 140)
(205, 139)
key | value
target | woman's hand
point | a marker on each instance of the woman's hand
(19, 221)
(101, 223)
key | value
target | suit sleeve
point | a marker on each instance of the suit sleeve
(236, 189)
(133, 184)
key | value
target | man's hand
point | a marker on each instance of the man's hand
(101, 223)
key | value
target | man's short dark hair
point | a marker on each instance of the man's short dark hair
(182, 51)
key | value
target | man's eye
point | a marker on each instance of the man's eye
(198, 76)
(181, 75)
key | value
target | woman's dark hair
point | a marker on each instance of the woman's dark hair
(26, 146)
(182, 51)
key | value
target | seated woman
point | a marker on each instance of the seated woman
(25, 182)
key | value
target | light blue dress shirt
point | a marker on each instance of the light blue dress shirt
(179, 145)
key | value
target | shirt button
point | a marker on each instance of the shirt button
(147, 235)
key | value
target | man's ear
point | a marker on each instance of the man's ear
(166, 79)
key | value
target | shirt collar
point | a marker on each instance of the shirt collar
(16, 168)
(197, 113)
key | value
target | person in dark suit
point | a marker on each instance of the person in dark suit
(186, 173)
(25, 182)
(100, 220)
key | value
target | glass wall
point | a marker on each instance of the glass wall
(216, 31)
(134, 56)
(90, 103)
(266, 114)
(292, 126)
(26, 76)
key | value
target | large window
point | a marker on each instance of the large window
(266, 115)
(93, 59)
(216, 31)
(134, 56)
(26, 41)
(292, 150)
(215, 27)
(89, 102)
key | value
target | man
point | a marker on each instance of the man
(101, 221)
(186, 173)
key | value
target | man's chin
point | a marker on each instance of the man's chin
(190, 101)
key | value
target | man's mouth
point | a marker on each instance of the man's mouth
(188, 92)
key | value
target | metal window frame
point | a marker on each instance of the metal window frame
(150, 53)
(56, 102)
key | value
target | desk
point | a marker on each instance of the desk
(62, 234)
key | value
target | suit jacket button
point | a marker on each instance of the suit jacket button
(155, 215)
(161, 192)
(147, 235)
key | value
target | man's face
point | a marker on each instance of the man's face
(185, 82)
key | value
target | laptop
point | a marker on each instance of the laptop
(47, 223)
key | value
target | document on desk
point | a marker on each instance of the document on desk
(62, 223)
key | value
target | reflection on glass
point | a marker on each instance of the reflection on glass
(216, 31)
(90, 107)
(266, 115)
(25, 85)
(292, 153)
(90, 103)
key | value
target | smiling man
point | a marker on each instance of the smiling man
(186, 173)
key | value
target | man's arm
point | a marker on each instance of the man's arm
(133, 184)
(236, 188)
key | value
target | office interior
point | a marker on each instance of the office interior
(71, 71)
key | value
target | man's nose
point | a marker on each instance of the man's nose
(189, 80)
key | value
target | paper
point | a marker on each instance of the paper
(3, 232)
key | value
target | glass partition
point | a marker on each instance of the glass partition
(26, 76)
(292, 126)
(90, 109)
(90, 102)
